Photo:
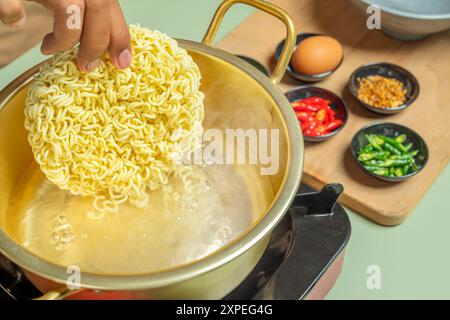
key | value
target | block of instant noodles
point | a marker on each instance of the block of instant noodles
(116, 134)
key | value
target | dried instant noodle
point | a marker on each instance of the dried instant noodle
(116, 134)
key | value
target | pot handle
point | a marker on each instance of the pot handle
(319, 203)
(269, 8)
(14, 281)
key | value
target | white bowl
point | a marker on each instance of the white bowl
(410, 19)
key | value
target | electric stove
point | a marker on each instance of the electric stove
(302, 261)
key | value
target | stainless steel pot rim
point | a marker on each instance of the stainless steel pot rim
(280, 204)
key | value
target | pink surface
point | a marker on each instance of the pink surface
(328, 279)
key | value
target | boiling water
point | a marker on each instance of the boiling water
(174, 229)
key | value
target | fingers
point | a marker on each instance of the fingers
(68, 19)
(12, 13)
(119, 46)
(100, 27)
(96, 33)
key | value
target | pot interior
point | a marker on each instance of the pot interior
(56, 226)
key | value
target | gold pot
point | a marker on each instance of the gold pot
(228, 83)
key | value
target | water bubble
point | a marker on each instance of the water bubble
(182, 203)
(54, 238)
(191, 204)
(223, 234)
(62, 234)
(61, 220)
(95, 215)
(176, 196)
(206, 186)
(194, 204)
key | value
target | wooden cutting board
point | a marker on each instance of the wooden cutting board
(331, 161)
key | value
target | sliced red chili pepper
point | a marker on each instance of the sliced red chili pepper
(321, 115)
(321, 129)
(311, 118)
(309, 126)
(303, 115)
(334, 124)
(317, 100)
(304, 127)
(331, 115)
(305, 107)
(316, 116)
(310, 133)
(299, 103)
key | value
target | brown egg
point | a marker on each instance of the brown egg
(316, 55)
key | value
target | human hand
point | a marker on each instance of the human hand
(100, 27)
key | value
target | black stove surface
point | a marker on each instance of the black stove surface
(305, 243)
(302, 247)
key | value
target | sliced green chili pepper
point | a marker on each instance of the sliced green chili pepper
(381, 172)
(388, 147)
(377, 139)
(409, 155)
(373, 142)
(366, 148)
(373, 168)
(398, 172)
(408, 146)
(388, 156)
(401, 138)
(372, 162)
(378, 155)
(394, 162)
(365, 156)
(393, 142)
(405, 169)
(381, 155)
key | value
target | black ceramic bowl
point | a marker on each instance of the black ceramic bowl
(301, 76)
(391, 130)
(336, 103)
(255, 63)
(388, 70)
